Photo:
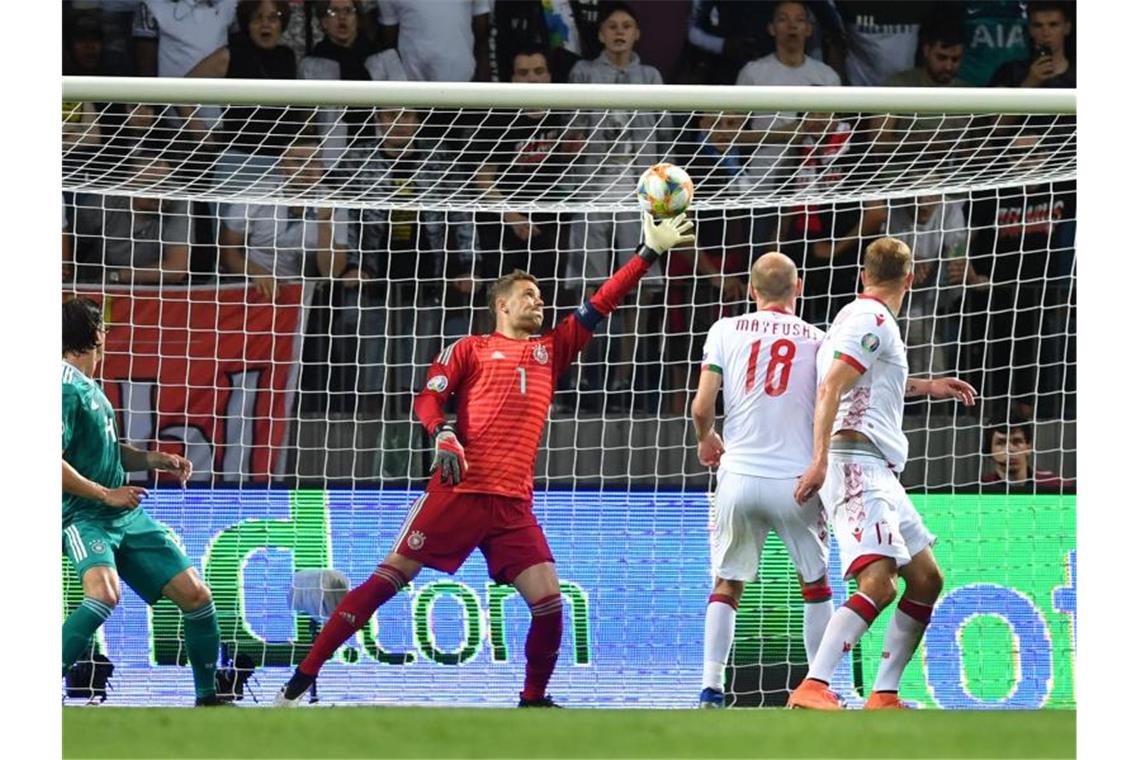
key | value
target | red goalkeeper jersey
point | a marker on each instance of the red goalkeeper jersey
(505, 387)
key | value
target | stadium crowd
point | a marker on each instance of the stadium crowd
(994, 299)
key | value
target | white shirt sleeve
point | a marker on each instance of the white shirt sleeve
(714, 352)
(235, 216)
(860, 338)
(479, 7)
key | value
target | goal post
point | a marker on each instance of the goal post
(280, 261)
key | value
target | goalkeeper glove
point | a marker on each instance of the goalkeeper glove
(663, 234)
(449, 457)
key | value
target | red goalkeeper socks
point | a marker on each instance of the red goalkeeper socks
(352, 614)
(542, 643)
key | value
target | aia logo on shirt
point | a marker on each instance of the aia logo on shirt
(540, 354)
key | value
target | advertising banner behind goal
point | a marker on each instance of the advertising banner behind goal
(635, 580)
(207, 372)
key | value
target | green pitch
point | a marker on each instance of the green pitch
(452, 733)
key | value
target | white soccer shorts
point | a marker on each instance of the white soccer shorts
(869, 511)
(745, 508)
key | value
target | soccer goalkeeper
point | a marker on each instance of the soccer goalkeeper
(106, 533)
(479, 495)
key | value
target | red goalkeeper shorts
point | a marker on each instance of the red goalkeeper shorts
(443, 528)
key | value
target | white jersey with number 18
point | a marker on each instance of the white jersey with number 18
(767, 363)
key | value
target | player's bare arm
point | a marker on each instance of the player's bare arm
(124, 497)
(941, 388)
(841, 377)
(710, 447)
(137, 460)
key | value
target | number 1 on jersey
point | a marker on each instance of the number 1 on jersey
(779, 363)
(522, 379)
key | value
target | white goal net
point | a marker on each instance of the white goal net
(279, 266)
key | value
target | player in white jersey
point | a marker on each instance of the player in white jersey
(766, 362)
(858, 420)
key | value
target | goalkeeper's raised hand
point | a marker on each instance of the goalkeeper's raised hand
(663, 234)
(449, 457)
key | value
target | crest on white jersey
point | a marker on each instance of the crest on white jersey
(870, 341)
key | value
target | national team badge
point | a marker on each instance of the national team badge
(416, 540)
(437, 383)
(870, 342)
(540, 354)
(97, 547)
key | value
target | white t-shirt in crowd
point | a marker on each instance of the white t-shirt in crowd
(187, 30)
(436, 41)
(767, 71)
(278, 237)
(767, 360)
(866, 336)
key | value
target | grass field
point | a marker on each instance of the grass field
(447, 733)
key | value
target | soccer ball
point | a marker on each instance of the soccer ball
(664, 190)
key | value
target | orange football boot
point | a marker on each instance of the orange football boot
(814, 695)
(884, 700)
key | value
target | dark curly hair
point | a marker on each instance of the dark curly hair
(82, 317)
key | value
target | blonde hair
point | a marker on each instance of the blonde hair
(886, 260)
(501, 288)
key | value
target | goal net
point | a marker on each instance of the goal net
(279, 263)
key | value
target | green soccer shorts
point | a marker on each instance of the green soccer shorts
(142, 550)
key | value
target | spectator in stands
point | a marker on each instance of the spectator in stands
(709, 280)
(994, 31)
(1018, 233)
(441, 41)
(727, 35)
(881, 38)
(114, 19)
(935, 229)
(826, 239)
(346, 54)
(789, 64)
(567, 31)
(620, 145)
(172, 36)
(903, 141)
(1048, 64)
(1009, 444)
(791, 28)
(403, 264)
(271, 242)
(142, 240)
(82, 56)
(252, 137)
(83, 44)
(523, 156)
(941, 50)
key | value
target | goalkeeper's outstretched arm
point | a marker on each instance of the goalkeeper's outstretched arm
(572, 334)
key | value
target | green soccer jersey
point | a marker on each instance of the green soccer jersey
(90, 444)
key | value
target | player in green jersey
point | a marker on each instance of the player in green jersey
(106, 533)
